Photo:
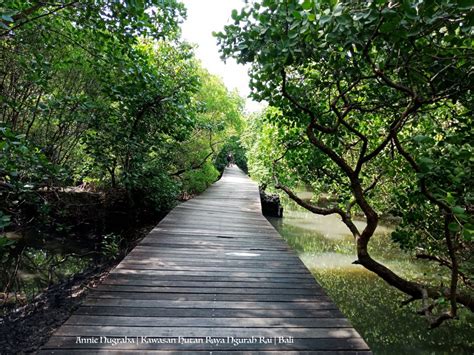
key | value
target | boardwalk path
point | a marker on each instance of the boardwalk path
(214, 267)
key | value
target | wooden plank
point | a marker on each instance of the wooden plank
(208, 277)
(235, 274)
(211, 262)
(249, 285)
(178, 352)
(283, 270)
(209, 322)
(189, 240)
(208, 304)
(196, 242)
(252, 268)
(242, 253)
(184, 231)
(212, 290)
(183, 234)
(212, 246)
(229, 254)
(117, 294)
(206, 313)
(333, 346)
(151, 253)
(197, 332)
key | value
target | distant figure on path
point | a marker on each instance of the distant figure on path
(230, 159)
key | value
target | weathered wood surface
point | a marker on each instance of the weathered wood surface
(213, 276)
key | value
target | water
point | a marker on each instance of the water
(33, 265)
(326, 247)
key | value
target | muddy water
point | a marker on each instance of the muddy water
(33, 265)
(326, 247)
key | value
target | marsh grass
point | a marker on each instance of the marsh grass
(373, 307)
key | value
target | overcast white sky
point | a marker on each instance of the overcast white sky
(204, 17)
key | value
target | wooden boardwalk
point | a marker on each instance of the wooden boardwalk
(213, 276)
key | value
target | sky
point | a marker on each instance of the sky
(204, 17)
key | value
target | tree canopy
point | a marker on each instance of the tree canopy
(103, 94)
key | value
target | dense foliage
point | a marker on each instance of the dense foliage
(102, 96)
(371, 102)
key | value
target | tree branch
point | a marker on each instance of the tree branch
(24, 15)
(395, 126)
(316, 209)
(417, 169)
(446, 263)
(328, 151)
(199, 165)
(302, 108)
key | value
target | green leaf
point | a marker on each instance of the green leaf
(4, 220)
(307, 4)
(450, 198)
(338, 10)
(324, 19)
(293, 34)
(7, 18)
(235, 15)
(388, 26)
(296, 15)
(5, 242)
(421, 138)
(428, 162)
(454, 227)
(458, 210)
(465, 4)
(468, 232)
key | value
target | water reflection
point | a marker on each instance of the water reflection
(328, 260)
(330, 227)
(33, 264)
